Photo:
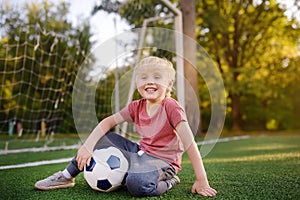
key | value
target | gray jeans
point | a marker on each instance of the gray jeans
(146, 176)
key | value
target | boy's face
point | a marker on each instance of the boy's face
(153, 83)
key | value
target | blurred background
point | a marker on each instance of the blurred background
(254, 44)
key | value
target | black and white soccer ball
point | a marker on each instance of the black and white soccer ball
(107, 169)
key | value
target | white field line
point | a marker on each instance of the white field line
(38, 163)
(223, 140)
(40, 149)
(63, 160)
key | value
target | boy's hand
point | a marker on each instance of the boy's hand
(83, 157)
(203, 189)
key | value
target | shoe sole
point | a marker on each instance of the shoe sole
(177, 178)
(54, 187)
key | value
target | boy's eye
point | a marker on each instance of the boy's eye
(157, 77)
(143, 77)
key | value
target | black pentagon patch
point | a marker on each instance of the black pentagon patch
(103, 184)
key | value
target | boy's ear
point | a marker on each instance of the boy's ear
(170, 86)
(171, 83)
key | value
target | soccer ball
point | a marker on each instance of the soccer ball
(107, 169)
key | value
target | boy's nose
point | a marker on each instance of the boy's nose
(150, 83)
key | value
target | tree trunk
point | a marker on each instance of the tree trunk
(190, 58)
(236, 112)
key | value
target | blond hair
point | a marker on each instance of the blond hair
(162, 64)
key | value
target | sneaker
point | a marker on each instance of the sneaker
(173, 181)
(56, 181)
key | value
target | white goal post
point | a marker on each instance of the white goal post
(179, 55)
(178, 26)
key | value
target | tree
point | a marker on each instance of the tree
(190, 73)
(249, 43)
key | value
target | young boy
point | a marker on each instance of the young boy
(164, 130)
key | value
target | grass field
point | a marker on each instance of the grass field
(261, 167)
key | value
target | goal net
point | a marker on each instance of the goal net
(53, 81)
(45, 72)
(37, 75)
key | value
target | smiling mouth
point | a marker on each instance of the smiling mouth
(150, 89)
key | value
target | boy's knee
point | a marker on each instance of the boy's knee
(140, 186)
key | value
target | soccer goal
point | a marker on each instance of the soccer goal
(39, 68)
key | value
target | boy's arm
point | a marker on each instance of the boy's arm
(85, 151)
(201, 185)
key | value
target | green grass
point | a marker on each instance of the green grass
(261, 167)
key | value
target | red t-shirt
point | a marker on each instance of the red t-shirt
(158, 134)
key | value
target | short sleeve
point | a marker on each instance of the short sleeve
(128, 113)
(175, 112)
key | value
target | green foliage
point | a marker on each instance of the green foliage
(136, 11)
(255, 47)
(40, 59)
